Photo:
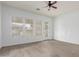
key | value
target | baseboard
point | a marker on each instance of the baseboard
(69, 42)
(27, 43)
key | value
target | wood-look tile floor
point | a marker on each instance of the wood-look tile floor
(48, 48)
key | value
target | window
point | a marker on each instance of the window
(21, 26)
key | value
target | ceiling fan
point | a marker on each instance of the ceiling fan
(50, 4)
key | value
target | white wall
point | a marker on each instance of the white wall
(67, 27)
(8, 12)
(0, 25)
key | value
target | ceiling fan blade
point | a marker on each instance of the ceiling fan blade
(54, 7)
(54, 2)
(49, 2)
(49, 8)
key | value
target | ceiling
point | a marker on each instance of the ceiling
(31, 6)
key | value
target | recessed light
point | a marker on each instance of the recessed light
(37, 9)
